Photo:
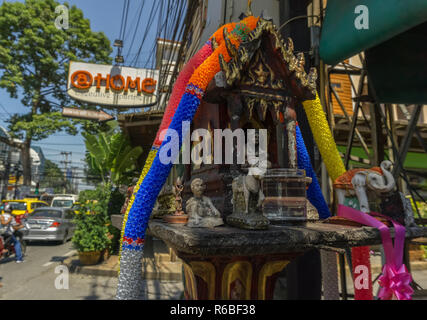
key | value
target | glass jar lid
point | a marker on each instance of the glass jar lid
(285, 172)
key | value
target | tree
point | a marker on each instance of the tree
(34, 60)
(110, 154)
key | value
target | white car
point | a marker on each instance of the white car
(64, 200)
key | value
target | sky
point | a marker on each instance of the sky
(105, 16)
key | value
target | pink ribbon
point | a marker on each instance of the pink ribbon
(395, 283)
(395, 279)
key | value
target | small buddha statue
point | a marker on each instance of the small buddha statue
(202, 213)
(177, 190)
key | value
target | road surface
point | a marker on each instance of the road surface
(36, 278)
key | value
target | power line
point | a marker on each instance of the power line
(184, 32)
(123, 18)
(126, 19)
(59, 149)
(136, 28)
(4, 109)
(63, 144)
(152, 14)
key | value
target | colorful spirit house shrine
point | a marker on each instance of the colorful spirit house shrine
(258, 89)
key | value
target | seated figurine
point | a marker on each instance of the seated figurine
(200, 209)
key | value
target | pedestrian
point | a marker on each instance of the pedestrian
(12, 227)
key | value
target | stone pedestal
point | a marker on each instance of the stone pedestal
(230, 263)
(234, 278)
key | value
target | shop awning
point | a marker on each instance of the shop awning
(340, 38)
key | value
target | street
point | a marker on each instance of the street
(35, 278)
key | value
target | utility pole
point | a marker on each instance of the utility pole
(6, 174)
(75, 180)
(17, 176)
(66, 162)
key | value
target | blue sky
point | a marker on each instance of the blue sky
(105, 16)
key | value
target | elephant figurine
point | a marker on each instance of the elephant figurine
(358, 181)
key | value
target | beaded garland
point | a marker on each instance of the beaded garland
(314, 193)
(184, 112)
(323, 137)
(177, 92)
(176, 96)
(155, 173)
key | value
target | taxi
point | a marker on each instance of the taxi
(24, 206)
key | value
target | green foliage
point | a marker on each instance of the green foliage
(116, 202)
(34, 62)
(422, 207)
(35, 54)
(34, 57)
(110, 154)
(53, 177)
(41, 126)
(114, 206)
(92, 221)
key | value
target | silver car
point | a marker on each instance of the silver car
(51, 223)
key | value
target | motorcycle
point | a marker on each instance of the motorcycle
(7, 249)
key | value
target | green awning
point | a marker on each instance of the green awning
(414, 160)
(398, 67)
(340, 38)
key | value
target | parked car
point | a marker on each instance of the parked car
(64, 200)
(24, 206)
(51, 224)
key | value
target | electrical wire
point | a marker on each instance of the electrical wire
(58, 149)
(62, 144)
(152, 14)
(158, 32)
(4, 109)
(126, 19)
(172, 35)
(185, 29)
(123, 18)
(136, 28)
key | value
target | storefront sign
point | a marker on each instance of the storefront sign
(112, 85)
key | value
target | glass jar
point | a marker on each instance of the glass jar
(285, 196)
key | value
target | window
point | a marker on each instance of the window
(48, 213)
(62, 203)
(18, 205)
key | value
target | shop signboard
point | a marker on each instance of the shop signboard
(114, 86)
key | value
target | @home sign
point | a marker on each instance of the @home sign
(115, 86)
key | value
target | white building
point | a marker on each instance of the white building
(11, 157)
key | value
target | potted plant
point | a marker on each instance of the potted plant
(91, 235)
